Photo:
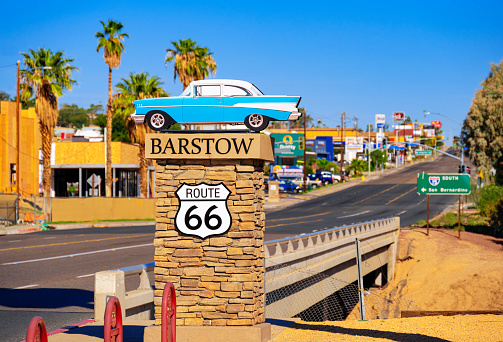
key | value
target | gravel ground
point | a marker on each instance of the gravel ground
(483, 328)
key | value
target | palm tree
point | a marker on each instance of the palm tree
(192, 62)
(110, 41)
(357, 165)
(137, 87)
(46, 76)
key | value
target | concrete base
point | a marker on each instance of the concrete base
(256, 333)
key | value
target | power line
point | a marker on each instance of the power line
(7, 66)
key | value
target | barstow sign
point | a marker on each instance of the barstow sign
(209, 146)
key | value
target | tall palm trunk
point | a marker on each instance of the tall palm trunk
(143, 171)
(109, 137)
(46, 153)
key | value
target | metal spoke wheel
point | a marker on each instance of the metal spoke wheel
(158, 120)
(256, 122)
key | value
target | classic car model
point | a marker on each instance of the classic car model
(217, 101)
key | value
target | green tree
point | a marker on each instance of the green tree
(46, 84)
(72, 116)
(407, 120)
(119, 130)
(357, 165)
(192, 62)
(137, 87)
(110, 40)
(483, 127)
(370, 127)
(4, 96)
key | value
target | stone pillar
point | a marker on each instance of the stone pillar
(219, 279)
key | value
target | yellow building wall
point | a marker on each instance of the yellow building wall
(312, 133)
(30, 143)
(93, 153)
(102, 208)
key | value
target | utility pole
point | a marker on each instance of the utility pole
(305, 159)
(343, 119)
(368, 151)
(18, 169)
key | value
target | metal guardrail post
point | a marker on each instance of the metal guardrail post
(168, 314)
(113, 321)
(361, 290)
(37, 332)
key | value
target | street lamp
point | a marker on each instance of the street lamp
(18, 119)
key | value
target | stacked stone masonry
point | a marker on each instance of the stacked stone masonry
(219, 280)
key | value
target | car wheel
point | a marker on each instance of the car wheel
(326, 183)
(256, 122)
(313, 186)
(158, 120)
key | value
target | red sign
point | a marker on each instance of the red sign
(436, 124)
(399, 116)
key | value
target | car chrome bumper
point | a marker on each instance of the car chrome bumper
(139, 119)
(294, 116)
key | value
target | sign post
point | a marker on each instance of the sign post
(443, 184)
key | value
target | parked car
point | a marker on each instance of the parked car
(217, 101)
(327, 177)
(313, 183)
(288, 186)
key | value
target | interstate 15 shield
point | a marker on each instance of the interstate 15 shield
(434, 180)
(203, 210)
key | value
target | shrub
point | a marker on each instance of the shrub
(489, 196)
(496, 218)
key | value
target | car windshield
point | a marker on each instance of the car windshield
(256, 91)
(186, 92)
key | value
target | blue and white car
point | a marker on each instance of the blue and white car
(216, 101)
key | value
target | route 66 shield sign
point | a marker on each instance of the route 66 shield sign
(203, 210)
(434, 180)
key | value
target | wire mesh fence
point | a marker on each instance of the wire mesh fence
(326, 298)
(7, 212)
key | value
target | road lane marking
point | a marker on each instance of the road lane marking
(402, 212)
(363, 212)
(363, 200)
(394, 199)
(49, 237)
(296, 218)
(86, 275)
(24, 287)
(73, 242)
(74, 255)
(288, 224)
(14, 241)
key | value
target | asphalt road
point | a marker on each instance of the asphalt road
(50, 273)
(391, 195)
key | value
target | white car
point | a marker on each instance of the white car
(313, 183)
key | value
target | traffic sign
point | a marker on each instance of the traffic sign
(422, 153)
(443, 184)
(203, 210)
(94, 180)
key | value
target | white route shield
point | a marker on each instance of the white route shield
(203, 210)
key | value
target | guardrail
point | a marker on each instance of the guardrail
(283, 257)
(135, 305)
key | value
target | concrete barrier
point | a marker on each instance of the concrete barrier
(135, 305)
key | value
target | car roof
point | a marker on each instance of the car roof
(238, 83)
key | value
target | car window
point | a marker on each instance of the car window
(235, 91)
(186, 92)
(207, 90)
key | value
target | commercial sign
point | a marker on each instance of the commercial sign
(203, 210)
(399, 116)
(288, 144)
(423, 153)
(288, 171)
(380, 120)
(436, 124)
(443, 184)
(208, 146)
(379, 137)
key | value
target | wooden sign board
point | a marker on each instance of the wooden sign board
(209, 146)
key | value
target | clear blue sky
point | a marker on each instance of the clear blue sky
(363, 57)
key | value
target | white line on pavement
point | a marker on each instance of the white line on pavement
(86, 275)
(24, 287)
(363, 212)
(14, 241)
(74, 255)
(400, 213)
(49, 237)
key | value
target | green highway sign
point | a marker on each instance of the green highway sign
(422, 153)
(443, 184)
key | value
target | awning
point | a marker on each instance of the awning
(397, 148)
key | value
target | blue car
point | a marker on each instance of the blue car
(217, 101)
(289, 186)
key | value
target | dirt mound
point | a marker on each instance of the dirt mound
(441, 273)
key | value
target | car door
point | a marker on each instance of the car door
(205, 105)
(233, 97)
